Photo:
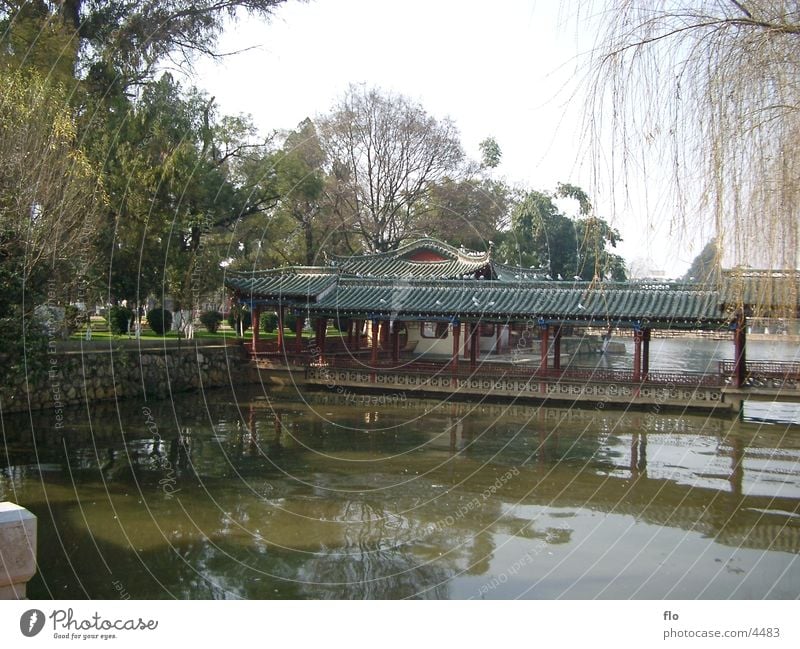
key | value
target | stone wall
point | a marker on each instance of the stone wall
(124, 370)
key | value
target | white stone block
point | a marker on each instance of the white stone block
(17, 550)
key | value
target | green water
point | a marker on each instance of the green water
(320, 495)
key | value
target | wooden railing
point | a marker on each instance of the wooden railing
(463, 370)
(339, 355)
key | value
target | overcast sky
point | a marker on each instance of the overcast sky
(510, 69)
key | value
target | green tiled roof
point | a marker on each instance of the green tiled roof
(407, 269)
(501, 301)
(506, 273)
(778, 291)
(428, 279)
(295, 284)
(401, 263)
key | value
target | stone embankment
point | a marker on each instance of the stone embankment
(78, 373)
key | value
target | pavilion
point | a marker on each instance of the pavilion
(428, 301)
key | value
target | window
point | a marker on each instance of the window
(487, 330)
(433, 329)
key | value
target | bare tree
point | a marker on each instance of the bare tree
(711, 90)
(385, 153)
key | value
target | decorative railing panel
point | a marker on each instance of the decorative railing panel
(492, 369)
(768, 374)
(401, 381)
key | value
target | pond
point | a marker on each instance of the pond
(277, 494)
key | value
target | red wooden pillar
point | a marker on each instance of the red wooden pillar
(321, 328)
(456, 346)
(280, 327)
(374, 356)
(740, 351)
(474, 344)
(645, 354)
(557, 348)
(358, 326)
(544, 342)
(498, 343)
(395, 342)
(385, 335)
(349, 332)
(637, 355)
(254, 323)
(298, 332)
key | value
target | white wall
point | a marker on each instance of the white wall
(444, 346)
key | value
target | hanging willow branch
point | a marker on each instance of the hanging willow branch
(710, 90)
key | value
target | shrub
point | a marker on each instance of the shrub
(268, 321)
(211, 320)
(232, 319)
(73, 318)
(119, 318)
(290, 321)
(160, 320)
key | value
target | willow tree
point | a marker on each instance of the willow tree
(49, 204)
(709, 89)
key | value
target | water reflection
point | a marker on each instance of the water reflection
(317, 498)
(692, 354)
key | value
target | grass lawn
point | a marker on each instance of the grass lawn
(100, 332)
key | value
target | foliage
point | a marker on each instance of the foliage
(490, 153)
(160, 320)
(119, 319)
(117, 39)
(268, 321)
(467, 212)
(300, 182)
(49, 207)
(705, 265)
(239, 319)
(211, 320)
(385, 151)
(176, 176)
(73, 318)
(543, 237)
(290, 320)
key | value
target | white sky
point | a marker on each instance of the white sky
(508, 68)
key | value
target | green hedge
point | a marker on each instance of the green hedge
(160, 320)
(119, 317)
(269, 321)
(211, 320)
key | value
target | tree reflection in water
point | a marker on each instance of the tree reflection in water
(309, 498)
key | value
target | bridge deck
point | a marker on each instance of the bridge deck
(495, 379)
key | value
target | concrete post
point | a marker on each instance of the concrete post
(17, 550)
